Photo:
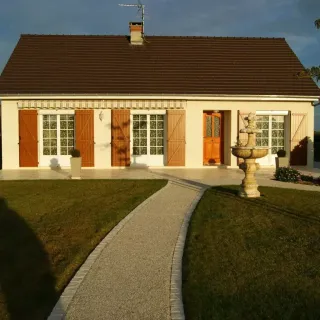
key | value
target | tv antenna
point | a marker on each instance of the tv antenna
(140, 7)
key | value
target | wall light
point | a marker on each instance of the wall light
(101, 115)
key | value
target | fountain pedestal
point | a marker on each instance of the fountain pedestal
(249, 186)
(250, 152)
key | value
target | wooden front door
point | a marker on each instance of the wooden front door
(212, 138)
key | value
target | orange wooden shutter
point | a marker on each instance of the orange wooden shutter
(176, 137)
(28, 138)
(85, 136)
(299, 139)
(120, 138)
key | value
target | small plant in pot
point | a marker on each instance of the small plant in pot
(75, 162)
(282, 160)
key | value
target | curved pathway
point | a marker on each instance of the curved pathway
(130, 279)
(135, 272)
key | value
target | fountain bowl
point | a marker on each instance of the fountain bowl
(249, 152)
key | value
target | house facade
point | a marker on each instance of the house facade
(152, 101)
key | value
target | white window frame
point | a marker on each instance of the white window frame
(272, 113)
(148, 159)
(61, 160)
(269, 159)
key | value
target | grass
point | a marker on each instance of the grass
(253, 258)
(48, 228)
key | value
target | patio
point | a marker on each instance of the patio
(206, 176)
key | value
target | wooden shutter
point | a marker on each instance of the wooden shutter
(176, 127)
(120, 138)
(85, 136)
(299, 139)
(28, 138)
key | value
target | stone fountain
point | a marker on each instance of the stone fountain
(250, 152)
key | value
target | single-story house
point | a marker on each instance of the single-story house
(152, 100)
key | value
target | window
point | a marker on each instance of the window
(156, 134)
(66, 134)
(277, 134)
(58, 134)
(262, 139)
(148, 134)
(272, 134)
(216, 127)
(50, 135)
(208, 126)
(139, 134)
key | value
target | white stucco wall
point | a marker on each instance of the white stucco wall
(102, 139)
(10, 135)
(194, 125)
(194, 129)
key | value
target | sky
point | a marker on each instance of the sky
(291, 19)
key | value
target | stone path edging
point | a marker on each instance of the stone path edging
(176, 302)
(60, 309)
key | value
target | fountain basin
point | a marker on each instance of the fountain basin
(249, 152)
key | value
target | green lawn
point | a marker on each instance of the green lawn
(48, 228)
(253, 258)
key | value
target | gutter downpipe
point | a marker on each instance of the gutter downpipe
(316, 104)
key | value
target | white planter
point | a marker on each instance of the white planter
(282, 162)
(75, 167)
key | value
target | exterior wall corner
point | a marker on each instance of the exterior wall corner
(10, 134)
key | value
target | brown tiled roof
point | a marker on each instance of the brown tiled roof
(73, 64)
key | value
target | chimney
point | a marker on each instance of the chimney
(136, 33)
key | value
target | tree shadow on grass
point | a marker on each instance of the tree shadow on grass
(257, 300)
(27, 283)
(232, 192)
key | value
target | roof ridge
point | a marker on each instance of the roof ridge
(154, 36)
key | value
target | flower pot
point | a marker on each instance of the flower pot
(282, 162)
(75, 167)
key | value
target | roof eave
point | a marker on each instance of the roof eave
(313, 98)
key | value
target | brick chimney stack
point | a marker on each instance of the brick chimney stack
(136, 33)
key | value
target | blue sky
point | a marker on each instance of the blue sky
(292, 19)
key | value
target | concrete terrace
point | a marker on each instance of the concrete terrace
(205, 177)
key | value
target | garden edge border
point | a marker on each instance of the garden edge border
(176, 301)
(60, 309)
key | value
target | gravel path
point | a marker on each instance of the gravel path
(131, 277)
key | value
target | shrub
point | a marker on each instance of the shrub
(75, 153)
(281, 153)
(287, 174)
(308, 178)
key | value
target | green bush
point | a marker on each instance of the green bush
(287, 174)
(281, 153)
(308, 178)
(75, 153)
(317, 151)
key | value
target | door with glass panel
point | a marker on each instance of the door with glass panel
(147, 143)
(272, 136)
(212, 144)
(57, 139)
